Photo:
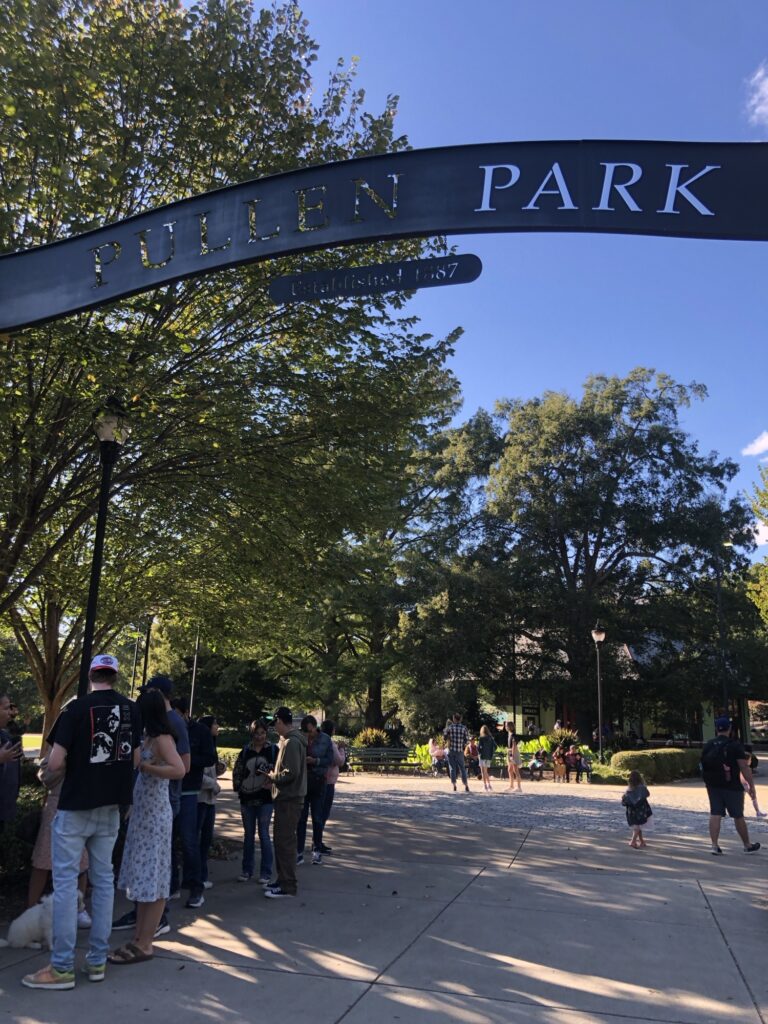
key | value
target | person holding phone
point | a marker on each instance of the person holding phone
(10, 764)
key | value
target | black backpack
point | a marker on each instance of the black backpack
(715, 770)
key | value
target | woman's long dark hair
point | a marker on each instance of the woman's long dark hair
(154, 717)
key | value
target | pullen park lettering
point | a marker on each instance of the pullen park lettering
(697, 190)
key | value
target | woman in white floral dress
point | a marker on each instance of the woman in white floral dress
(145, 873)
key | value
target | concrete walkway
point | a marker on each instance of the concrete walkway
(418, 922)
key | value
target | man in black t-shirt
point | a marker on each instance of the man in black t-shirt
(95, 745)
(723, 762)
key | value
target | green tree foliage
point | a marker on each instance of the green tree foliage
(617, 508)
(260, 434)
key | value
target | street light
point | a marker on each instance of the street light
(112, 428)
(721, 625)
(598, 635)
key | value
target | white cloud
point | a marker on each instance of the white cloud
(760, 444)
(761, 534)
(757, 99)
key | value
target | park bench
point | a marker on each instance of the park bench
(384, 760)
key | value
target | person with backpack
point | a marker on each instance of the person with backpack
(251, 782)
(638, 810)
(724, 763)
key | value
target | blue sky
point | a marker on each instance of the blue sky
(550, 309)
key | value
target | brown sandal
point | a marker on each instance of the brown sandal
(130, 953)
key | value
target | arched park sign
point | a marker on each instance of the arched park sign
(685, 189)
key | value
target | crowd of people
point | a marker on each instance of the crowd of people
(131, 800)
(457, 754)
(131, 784)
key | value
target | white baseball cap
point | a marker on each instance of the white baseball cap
(104, 661)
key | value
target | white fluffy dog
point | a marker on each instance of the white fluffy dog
(34, 928)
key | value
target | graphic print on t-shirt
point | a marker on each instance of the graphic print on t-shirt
(110, 734)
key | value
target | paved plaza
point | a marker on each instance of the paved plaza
(441, 916)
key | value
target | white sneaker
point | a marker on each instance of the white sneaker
(207, 885)
(83, 919)
(317, 857)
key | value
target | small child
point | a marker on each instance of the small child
(635, 800)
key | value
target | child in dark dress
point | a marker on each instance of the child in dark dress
(635, 800)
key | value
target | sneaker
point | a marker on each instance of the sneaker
(466, 789)
(716, 851)
(317, 857)
(163, 927)
(126, 921)
(454, 787)
(94, 972)
(325, 850)
(274, 892)
(265, 880)
(752, 848)
(49, 977)
(83, 919)
(300, 858)
(207, 885)
(195, 901)
(243, 877)
(175, 895)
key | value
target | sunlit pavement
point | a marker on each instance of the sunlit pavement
(449, 919)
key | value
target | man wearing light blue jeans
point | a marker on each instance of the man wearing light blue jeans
(95, 744)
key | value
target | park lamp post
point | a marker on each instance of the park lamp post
(112, 428)
(598, 635)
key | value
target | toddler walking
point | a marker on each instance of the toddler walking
(638, 810)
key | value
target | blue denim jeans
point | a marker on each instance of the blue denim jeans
(257, 815)
(186, 826)
(96, 830)
(206, 817)
(314, 802)
(456, 764)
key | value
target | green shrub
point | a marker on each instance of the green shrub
(662, 765)
(565, 737)
(606, 775)
(371, 738)
(422, 755)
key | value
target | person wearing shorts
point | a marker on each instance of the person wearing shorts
(724, 762)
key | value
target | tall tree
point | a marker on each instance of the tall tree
(613, 503)
(271, 426)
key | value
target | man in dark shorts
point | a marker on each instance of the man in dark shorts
(723, 762)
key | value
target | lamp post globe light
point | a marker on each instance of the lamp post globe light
(112, 428)
(598, 635)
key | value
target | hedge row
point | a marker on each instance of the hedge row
(663, 765)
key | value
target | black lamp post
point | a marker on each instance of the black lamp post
(111, 428)
(598, 635)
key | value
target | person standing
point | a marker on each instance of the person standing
(10, 764)
(289, 788)
(514, 760)
(331, 778)
(181, 739)
(206, 802)
(202, 754)
(724, 763)
(145, 873)
(319, 758)
(95, 743)
(457, 735)
(251, 782)
(487, 747)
